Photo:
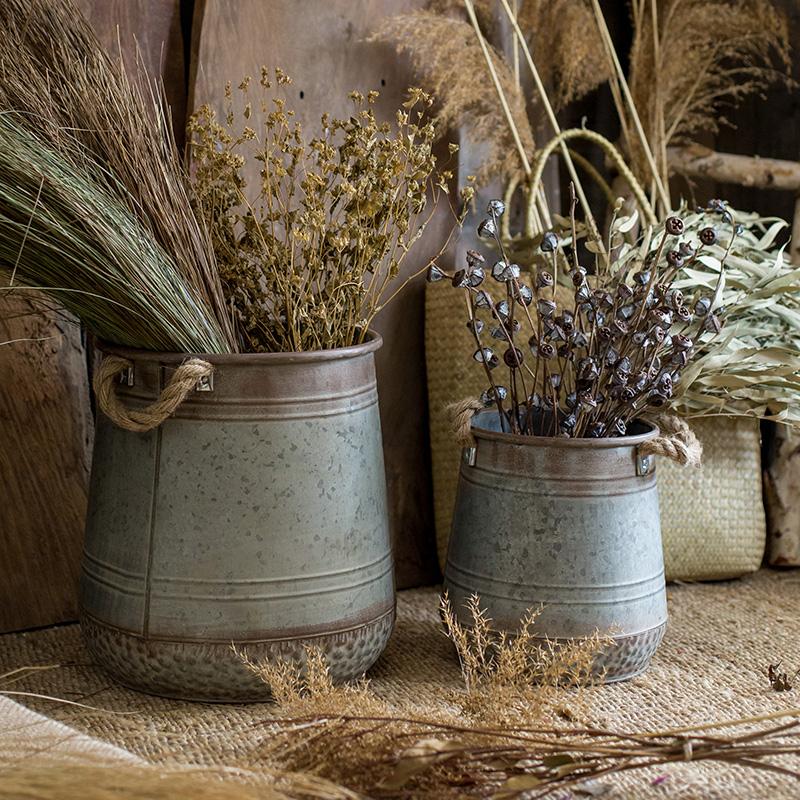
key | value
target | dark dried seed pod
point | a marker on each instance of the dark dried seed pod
(702, 306)
(727, 217)
(536, 401)
(567, 321)
(484, 355)
(683, 313)
(580, 339)
(523, 294)
(664, 381)
(498, 333)
(474, 258)
(680, 342)
(640, 339)
(611, 357)
(619, 328)
(624, 292)
(482, 299)
(549, 242)
(460, 279)
(661, 317)
(435, 274)
(605, 333)
(658, 333)
(475, 277)
(496, 208)
(582, 294)
(675, 258)
(640, 381)
(498, 270)
(675, 298)
(586, 399)
(578, 276)
(717, 205)
(543, 279)
(513, 357)
(555, 380)
(546, 350)
(568, 423)
(674, 226)
(556, 333)
(708, 236)
(475, 325)
(572, 400)
(712, 323)
(587, 369)
(642, 277)
(565, 351)
(501, 310)
(627, 394)
(627, 312)
(546, 308)
(680, 358)
(623, 366)
(533, 344)
(619, 427)
(489, 396)
(687, 251)
(597, 430)
(656, 399)
(738, 229)
(603, 299)
(513, 326)
(487, 229)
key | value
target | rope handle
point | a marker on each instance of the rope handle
(675, 441)
(141, 420)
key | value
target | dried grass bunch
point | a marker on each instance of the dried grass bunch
(94, 201)
(614, 351)
(479, 88)
(691, 61)
(310, 261)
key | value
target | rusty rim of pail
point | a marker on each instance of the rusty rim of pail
(372, 343)
(651, 432)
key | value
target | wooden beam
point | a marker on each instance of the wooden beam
(697, 161)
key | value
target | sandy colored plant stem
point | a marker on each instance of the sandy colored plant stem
(519, 38)
(498, 88)
(623, 85)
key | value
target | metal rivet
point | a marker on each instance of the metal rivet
(126, 376)
(469, 455)
(205, 384)
(644, 464)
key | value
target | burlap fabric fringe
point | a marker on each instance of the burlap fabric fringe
(675, 441)
(141, 420)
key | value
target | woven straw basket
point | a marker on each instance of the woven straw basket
(712, 518)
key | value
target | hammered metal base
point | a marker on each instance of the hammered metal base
(211, 672)
(629, 656)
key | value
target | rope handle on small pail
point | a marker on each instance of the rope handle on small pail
(141, 420)
(675, 441)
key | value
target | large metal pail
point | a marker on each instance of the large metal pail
(255, 515)
(568, 524)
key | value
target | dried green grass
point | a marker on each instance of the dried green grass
(102, 144)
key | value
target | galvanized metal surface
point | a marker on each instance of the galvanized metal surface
(570, 524)
(255, 515)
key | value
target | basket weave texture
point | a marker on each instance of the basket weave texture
(712, 518)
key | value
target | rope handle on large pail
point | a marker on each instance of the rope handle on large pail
(675, 441)
(140, 420)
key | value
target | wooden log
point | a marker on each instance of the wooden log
(697, 161)
(323, 46)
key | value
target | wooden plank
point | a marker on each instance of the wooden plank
(45, 413)
(321, 44)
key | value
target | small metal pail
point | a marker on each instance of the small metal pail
(568, 524)
(255, 515)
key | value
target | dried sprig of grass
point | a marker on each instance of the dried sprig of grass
(447, 57)
(113, 137)
(692, 60)
(516, 675)
(312, 258)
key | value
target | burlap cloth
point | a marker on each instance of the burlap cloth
(711, 666)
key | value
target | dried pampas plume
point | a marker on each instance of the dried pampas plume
(447, 56)
(692, 59)
(563, 38)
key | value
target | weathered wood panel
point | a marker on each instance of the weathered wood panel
(321, 44)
